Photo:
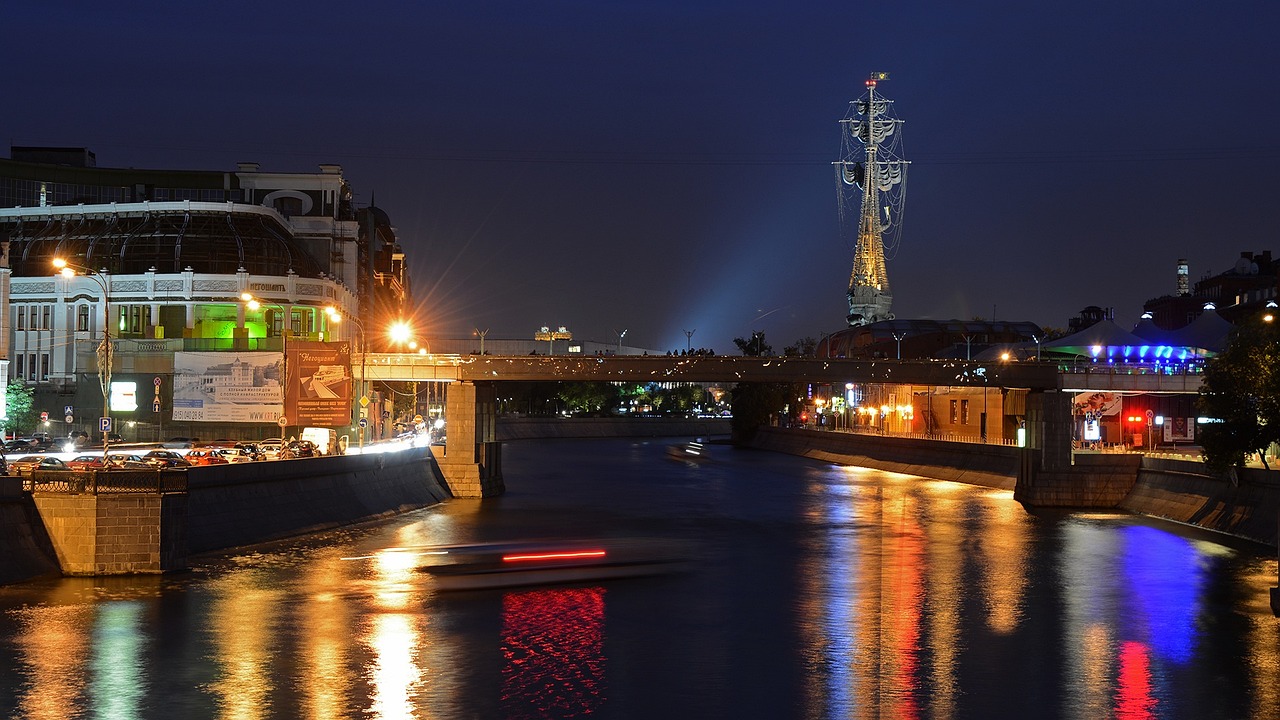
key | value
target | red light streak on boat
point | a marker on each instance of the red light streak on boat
(555, 556)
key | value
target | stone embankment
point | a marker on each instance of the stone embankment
(1178, 490)
(509, 428)
(223, 507)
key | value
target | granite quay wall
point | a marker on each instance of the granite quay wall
(510, 428)
(1179, 490)
(244, 504)
(26, 551)
(993, 466)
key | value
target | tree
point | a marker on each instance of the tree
(804, 347)
(754, 345)
(20, 410)
(753, 404)
(1241, 394)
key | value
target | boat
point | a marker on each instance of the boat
(480, 567)
(692, 450)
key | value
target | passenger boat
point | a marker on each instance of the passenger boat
(687, 451)
(477, 567)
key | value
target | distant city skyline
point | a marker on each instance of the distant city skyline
(667, 166)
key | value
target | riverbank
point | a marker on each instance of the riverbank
(1178, 490)
(521, 428)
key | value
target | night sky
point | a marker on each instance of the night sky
(666, 166)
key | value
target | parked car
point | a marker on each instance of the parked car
(30, 463)
(206, 457)
(117, 461)
(85, 462)
(232, 454)
(270, 448)
(19, 445)
(165, 459)
(300, 449)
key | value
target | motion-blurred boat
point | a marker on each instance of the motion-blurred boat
(474, 567)
(687, 451)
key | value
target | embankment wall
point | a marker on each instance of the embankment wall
(229, 507)
(1178, 490)
(509, 428)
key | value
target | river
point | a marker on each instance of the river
(814, 591)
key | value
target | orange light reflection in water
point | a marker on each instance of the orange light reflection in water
(54, 655)
(903, 580)
(395, 635)
(553, 647)
(242, 633)
(326, 620)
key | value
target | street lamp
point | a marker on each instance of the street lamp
(898, 337)
(620, 336)
(481, 334)
(286, 327)
(336, 317)
(67, 270)
(688, 340)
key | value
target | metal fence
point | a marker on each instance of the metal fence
(95, 482)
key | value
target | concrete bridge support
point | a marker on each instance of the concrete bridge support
(472, 462)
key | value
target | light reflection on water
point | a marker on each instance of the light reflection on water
(820, 592)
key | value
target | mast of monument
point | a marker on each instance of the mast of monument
(872, 171)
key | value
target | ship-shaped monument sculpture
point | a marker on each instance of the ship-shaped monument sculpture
(871, 173)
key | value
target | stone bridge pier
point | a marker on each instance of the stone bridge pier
(472, 458)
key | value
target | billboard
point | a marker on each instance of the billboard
(319, 384)
(227, 387)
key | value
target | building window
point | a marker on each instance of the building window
(953, 412)
(82, 318)
(31, 366)
(44, 366)
(21, 324)
(19, 367)
(46, 316)
(964, 412)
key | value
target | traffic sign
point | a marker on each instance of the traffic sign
(364, 422)
(44, 416)
(282, 421)
(364, 401)
(71, 418)
(157, 381)
(155, 406)
(68, 410)
(104, 424)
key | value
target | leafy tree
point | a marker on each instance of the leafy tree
(804, 347)
(754, 345)
(753, 404)
(20, 406)
(1241, 390)
(588, 398)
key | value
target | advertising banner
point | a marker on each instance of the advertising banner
(319, 389)
(1179, 429)
(227, 387)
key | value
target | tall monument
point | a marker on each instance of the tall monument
(872, 172)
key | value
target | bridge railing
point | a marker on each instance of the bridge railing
(95, 482)
(943, 437)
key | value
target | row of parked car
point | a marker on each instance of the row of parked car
(212, 454)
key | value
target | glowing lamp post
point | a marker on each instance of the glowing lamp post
(67, 270)
(286, 327)
(336, 317)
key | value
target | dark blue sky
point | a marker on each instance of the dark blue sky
(665, 166)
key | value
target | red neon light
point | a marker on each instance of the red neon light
(554, 556)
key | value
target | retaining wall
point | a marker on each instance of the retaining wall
(25, 548)
(988, 465)
(509, 428)
(229, 507)
(1177, 490)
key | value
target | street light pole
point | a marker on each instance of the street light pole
(620, 336)
(68, 270)
(482, 333)
(688, 340)
(286, 327)
(336, 317)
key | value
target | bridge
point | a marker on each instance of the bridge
(472, 461)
